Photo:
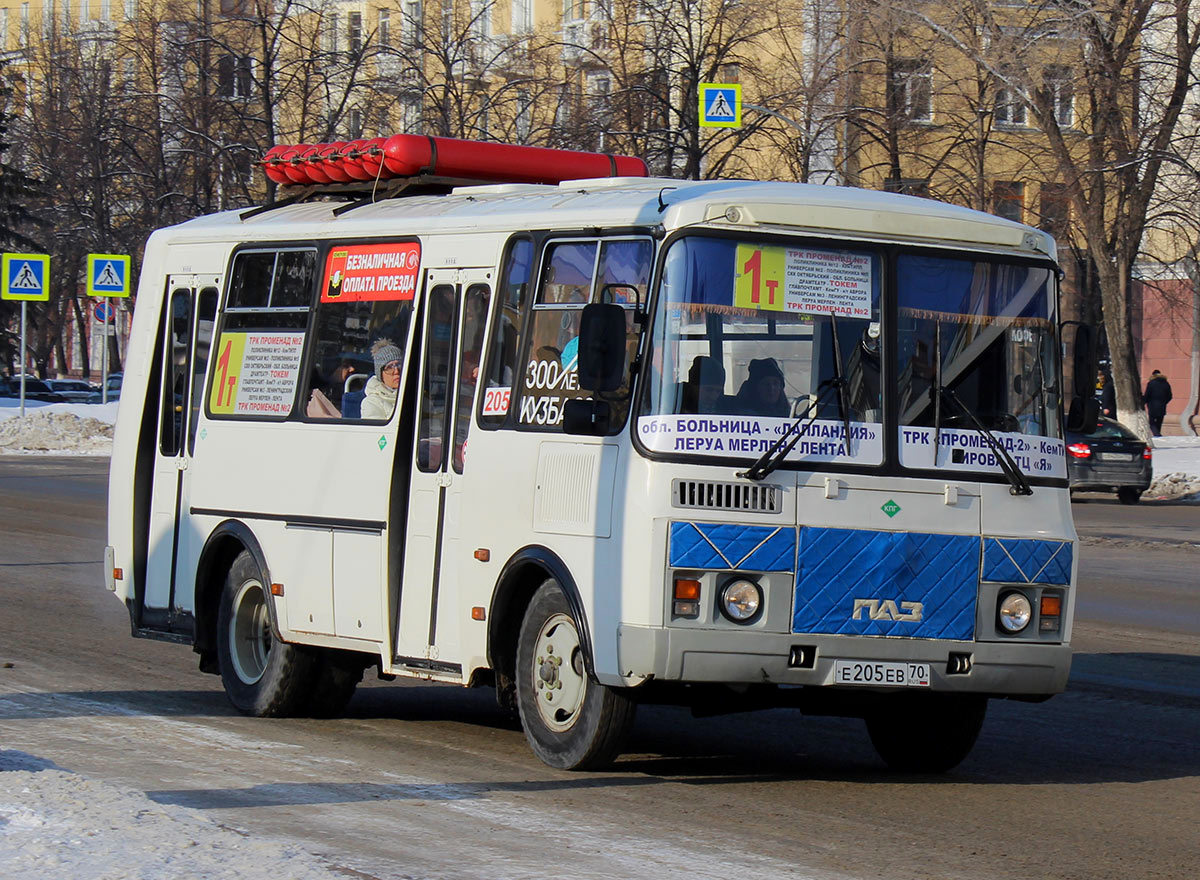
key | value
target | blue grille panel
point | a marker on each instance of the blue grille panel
(1025, 561)
(731, 546)
(837, 566)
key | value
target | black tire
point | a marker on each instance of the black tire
(931, 733)
(263, 676)
(336, 679)
(572, 722)
(1129, 495)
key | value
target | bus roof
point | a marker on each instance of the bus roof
(632, 202)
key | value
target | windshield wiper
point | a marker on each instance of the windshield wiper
(1020, 486)
(839, 382)
(770, 460)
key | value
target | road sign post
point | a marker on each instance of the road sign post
(24, 277)
(107, 275)
(720, 105)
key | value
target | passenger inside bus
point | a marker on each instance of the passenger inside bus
(704, 390)
(379, 399)
(762, 394)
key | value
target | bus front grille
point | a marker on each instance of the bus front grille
(708, 495)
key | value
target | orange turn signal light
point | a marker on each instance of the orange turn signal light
(276, 589)
(1051, 606)
(479, 613)
(118, 574)
(687, 589)
(483, 554)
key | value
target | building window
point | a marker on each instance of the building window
(235, 76)
(524, 115)
(331, 37)
(354, 31)
(481, 19)
(1054, 209)
(909, 186)
(106, 10)
(4, 28)
(354, 124)
(1060, 89)
(731, 73)
(385, 28)
(573, 10)
(1008, 200)
(522, 16)
(911, 89)
(24, 35)
(1010, 109)
(413, 22)
(131, 10)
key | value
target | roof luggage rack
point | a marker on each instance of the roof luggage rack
(367, 171)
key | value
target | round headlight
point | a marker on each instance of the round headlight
(741, 600)
(1015, 612)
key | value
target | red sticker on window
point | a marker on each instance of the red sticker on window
(369, 272)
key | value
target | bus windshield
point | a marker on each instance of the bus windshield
(751, 334)
(984, 332)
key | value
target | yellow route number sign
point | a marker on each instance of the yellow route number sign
(759, 279)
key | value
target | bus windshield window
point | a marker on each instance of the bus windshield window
(988, 329)
(749, 335)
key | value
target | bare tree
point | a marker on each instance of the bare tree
(1105, 81)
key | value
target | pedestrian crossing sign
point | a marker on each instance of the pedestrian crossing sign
(107, 275)
(25, 276)
(720, 105)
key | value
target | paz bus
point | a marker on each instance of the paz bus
(528, 419)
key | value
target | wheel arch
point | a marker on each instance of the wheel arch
(223, 546)
(523, 573)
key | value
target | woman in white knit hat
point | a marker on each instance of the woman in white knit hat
(380, 397)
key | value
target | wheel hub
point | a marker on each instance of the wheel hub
(559, 679)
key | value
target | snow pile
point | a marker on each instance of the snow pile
(60, 432)
(58, 428)
(1176, 468)
(58, 824)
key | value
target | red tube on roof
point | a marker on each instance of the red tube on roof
(406, 155)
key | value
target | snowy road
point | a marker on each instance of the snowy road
(432, 782)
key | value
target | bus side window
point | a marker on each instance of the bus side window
(206, 314)
(178, 354)
(505, 348)
(474, 321)
(439, 352)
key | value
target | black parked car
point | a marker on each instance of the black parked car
(35, 389)
(1110, 458)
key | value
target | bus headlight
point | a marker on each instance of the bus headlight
(741, 600)
(1014, 612)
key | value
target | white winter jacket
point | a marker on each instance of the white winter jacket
(379, 400)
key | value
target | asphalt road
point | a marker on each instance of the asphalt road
(423, 781)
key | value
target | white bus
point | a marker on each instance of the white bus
(727, 444)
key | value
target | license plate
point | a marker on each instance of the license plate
(878, 673)
(1115, 456)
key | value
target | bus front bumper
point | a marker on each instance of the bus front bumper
(1012, 669)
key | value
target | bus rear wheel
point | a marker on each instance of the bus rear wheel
(927, 733)
(263, 676)
(572, 722)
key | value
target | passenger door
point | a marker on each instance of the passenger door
(185, 339)
(455, 315)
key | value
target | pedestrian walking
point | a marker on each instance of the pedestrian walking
(1156, 397)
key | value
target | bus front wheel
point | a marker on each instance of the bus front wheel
(929, 733)
(262, 675)
(572, 722)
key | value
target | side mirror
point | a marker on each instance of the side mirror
(586, 416)
(602, 347)
(1083, 415)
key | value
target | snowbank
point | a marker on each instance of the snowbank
(58, 428)
(58, 824)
